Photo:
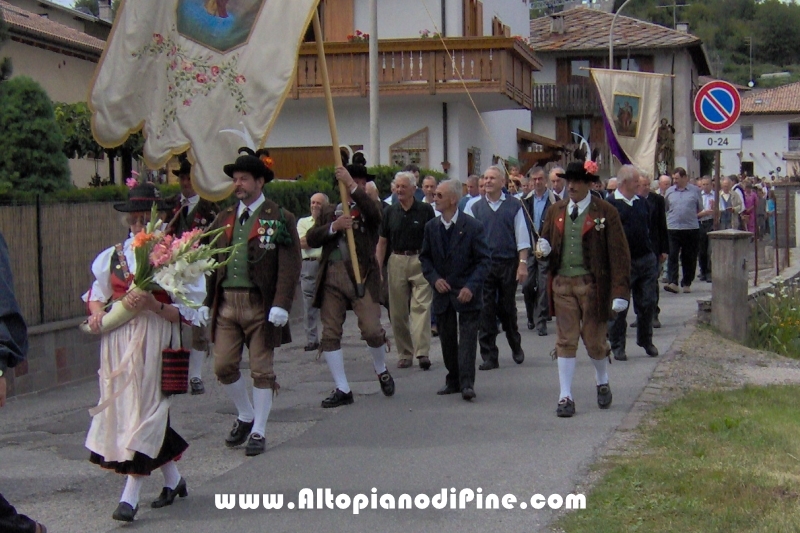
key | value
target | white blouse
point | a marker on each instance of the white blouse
(102, 291)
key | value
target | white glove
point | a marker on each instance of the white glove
(619, 305)
(278, 316)
(203, 316)
(543, 247)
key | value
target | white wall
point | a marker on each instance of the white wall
(548, 72)
(464, 133)
(503, 127)
(513, 13)
(770, 135)
(545, 124)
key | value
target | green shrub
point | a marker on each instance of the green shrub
(775, 323)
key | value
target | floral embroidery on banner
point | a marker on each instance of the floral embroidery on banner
(191, 77)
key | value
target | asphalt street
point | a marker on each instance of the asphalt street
(507, 441)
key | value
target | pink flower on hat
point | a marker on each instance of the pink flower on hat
(131, 182)
(590, 167)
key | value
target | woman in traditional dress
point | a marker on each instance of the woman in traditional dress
(750, 205)
(130, 431)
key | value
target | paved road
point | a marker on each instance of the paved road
(508, 441)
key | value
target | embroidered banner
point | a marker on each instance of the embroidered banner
(631, 103)
(185, 69)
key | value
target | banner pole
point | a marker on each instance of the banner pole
(337, 156)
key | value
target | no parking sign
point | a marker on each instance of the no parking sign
(717, 105)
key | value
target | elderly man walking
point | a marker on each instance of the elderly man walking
(401, 234)
(534, 290)
(508, 237)
(309, 271)
(683, 203)
(455, 259)
(634, 214)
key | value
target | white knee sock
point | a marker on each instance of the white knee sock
(335, 361)
(566, 369)
(238, 393)
(131, 493)
(171, 475)
(601, 370)
(378, 358)
(262, 401)
(196, 358)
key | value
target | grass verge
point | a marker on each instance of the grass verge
(724, 461)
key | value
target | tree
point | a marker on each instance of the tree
(31, 157)
(5, 63)
(91, 5)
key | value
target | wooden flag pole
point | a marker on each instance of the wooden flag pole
(337, 156)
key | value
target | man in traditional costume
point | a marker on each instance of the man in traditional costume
(250, 297)
(190, 212)
(336, 289)
(589, 276)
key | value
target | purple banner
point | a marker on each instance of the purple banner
(613, 144)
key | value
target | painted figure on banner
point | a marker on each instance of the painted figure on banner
(626, 114)
(218, 24)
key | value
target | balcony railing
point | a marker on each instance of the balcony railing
(578, 98)
(499, 65)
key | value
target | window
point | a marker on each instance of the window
(747, 132)
(794, 137)
(582, 126)
(629, 64)
(747, 168)
(577, 64)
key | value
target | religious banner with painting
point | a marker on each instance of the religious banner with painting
(183, 70)
(631, 104)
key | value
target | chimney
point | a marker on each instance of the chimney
(682, 27)
(105, 10)
(557, 24)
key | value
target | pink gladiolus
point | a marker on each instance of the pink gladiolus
(131, 183)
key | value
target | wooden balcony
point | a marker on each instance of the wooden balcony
(574, 98)
(499, 66)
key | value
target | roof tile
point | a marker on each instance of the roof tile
(32, 24)
(780, 100)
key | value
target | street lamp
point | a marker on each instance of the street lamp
(611, 36)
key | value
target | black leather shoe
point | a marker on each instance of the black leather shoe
(447, 389)
(337, 398)
(311, 347)
(239, 433)
(434, 331)
(124, 512)
(468, 394)
(387, 383)
(656, 323)
(168, 495)
(604, 396)
(255, 445)
(566, 408)
(620, 355)
(518, 357)
(489, 365)
(635, 323)
(196, 384)
(651, 350)
(542, 332)
(530, 325)
(424, 362)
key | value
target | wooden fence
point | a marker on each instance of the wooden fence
(52, 248)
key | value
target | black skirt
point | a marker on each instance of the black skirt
(142, 465)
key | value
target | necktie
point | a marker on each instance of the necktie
(244, 217)
(185, 208)
(574, 214)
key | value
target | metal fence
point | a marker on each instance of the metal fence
(52, 247)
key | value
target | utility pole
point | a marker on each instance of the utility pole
(749, 41)
(374, 89)
(674, 6)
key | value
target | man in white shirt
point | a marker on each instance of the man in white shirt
(706, 218)
(309, 271)
(557, 183)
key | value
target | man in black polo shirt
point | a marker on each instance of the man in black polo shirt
(635, 216)
(401, 234)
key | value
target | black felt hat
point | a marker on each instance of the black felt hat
(249, 162)
(577, 172)
(141, 199)
(185, 169)
(360, 171)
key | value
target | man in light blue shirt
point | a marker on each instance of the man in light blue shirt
(683, 203)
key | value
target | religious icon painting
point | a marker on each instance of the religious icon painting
(221, 25)
(626, 114)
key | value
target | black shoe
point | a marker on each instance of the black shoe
(387, 383)
(168, 495)
(635, 323)
(530, 325)
(447, 389)
(651, 350)
(239, 433)
(701, 277)
(566, 408)
(124, 512)
(337, 398)
(620, 355)
(489, 365)
(424, 362)
(542, 332)
(656, 323)
(467, 393)
(434, 331)
(311, 347)
(604, 396)
(518, 357)
(196, 384)
(708, 278)
(255, 445)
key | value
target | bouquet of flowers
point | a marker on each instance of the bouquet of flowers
(164, 262)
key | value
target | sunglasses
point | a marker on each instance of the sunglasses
(439, 195)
